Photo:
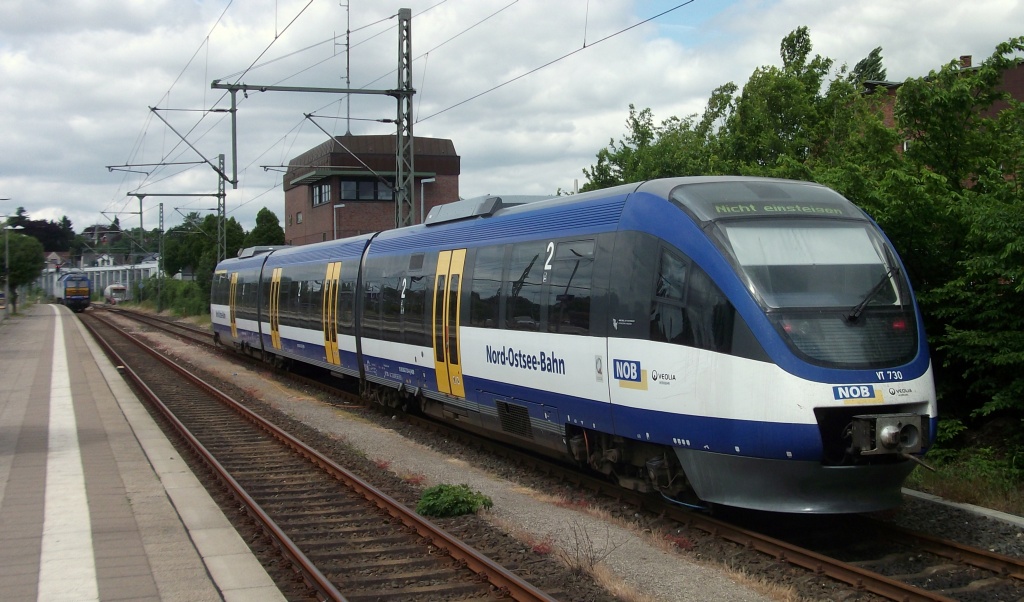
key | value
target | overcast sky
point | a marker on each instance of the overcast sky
(78, 78)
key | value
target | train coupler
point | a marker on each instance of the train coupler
(877, 434)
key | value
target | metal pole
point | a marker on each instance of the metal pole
(334, 214)
(423, 216)
(7, 267)
(160, 264)
(7, 273)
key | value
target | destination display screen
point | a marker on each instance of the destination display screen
(718, 200)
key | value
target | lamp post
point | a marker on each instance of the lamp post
(7, 267)
(334, 214)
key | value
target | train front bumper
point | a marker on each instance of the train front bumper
(793, 486)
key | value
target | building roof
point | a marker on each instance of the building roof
(334, 157)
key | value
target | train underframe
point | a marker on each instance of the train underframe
(852, 476)
(863, 478)
(635, 465)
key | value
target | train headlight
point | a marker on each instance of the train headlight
(877, 434)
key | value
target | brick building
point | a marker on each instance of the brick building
(330, 194)
(1013, 84)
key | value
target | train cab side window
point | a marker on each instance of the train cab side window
(688, 308)
(221, 288)
(485, 298)
(712, 314)
(524, 285)
(669, 318)
(571, 271)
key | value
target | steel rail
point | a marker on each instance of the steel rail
(857, 577)
(310, 573)
(500, 577)
(1001, 564)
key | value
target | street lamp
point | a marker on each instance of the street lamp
(422, 182)
(7, 266)
(334, 214)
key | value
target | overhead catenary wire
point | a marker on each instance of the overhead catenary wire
(552, 62)
(203, 127)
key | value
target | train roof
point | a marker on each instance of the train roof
(75, 275)
(509, 217)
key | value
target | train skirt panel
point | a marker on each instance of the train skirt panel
(787, 486)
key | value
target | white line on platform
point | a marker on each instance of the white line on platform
(67, 567)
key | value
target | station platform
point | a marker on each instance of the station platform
(95, 503)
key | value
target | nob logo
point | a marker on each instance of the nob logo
(854, 392)
(626, 370)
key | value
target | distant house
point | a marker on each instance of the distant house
(1013, 83)
(102, 234)
(58, 259)
(329, 193)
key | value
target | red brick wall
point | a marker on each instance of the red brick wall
(356, 217)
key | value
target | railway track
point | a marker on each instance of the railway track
(201, 336)
(868, 555)
(348, 540)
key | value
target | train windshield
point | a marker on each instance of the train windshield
(832, 288)
(815, 263)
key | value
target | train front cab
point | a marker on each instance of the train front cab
(76, 291)
(824, 390)
(235, 302)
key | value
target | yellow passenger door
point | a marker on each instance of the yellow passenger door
(447, 305)
(231, 304)
(330, 313)
(275, 308)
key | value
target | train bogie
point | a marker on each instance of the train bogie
(750, 341)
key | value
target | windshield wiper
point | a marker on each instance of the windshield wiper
(859, 308)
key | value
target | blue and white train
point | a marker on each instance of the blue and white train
(751, 342)
(74, 289)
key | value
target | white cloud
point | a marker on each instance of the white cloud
(78, 81)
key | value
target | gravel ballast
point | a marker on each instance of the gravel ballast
(544, 516)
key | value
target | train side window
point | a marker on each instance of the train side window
(285, 312)
(524, 285)
(346, 297)
(485, 297)
(416, 292)
(314, 299)
(393, 282)
(569, 284)
(369, 319)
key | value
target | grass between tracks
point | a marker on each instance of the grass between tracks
(981, 476)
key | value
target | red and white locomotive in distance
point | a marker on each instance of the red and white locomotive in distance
(749, 342)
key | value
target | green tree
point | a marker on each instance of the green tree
(775, 123)
(268, 230)
(25, 261)
(952, 204)
(975, 153)
(192, 245)
(54, 236)
(868, 69)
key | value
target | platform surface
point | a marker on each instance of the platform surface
(95, 503)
